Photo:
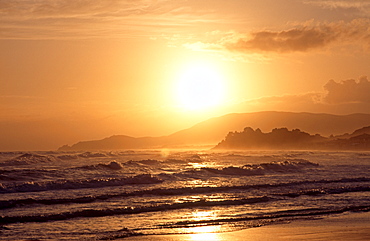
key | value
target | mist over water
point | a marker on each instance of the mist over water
(113, 195)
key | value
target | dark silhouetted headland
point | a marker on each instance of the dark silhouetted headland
(282, 138)
(279, 138)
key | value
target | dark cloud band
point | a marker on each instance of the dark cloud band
(303, 39)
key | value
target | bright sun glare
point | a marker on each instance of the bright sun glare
(208, 233)
(199, 87)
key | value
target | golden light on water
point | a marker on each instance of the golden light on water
(201, 215)
(205, 233)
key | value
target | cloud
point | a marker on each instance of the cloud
(303, 39)
(61, 19)
(348, 91)
(298, 102)
(50, 19)
(286, 41)
(71, 8)
(343, 97)
(360, 5)
(299, 98)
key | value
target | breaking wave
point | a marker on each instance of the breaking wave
(287, 214)
(130, 210)
(77, 184)
(204, 190)
(286, 166)
(184, 205)
(28, 159)
(113, 165)
(92, 154)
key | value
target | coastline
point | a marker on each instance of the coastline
(346, 226)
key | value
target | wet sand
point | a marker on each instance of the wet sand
(348, 226)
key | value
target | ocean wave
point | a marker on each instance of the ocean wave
(28, 159)
(77, 184)
(149, 162)
(203, 190)
(86, 155)
(195, 158)
(273, 216)
(129, 210)
(240, 171)
(28, 174)
(118, 234)
(175, 161)
(324, 191)
(92, 154)
(68, 157)
(89, 213)
(113, 165)
(286, 166)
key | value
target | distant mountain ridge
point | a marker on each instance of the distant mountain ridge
(212, 131)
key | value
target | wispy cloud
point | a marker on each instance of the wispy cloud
(359, 5)
(48, 19)
(54, 9)
(286, 101)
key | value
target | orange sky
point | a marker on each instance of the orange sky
(81, 70)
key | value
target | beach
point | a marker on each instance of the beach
(347, 226)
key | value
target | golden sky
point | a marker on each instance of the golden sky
(74, 70)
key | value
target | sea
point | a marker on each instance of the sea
(112, 195)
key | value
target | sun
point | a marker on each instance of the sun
(199, 87)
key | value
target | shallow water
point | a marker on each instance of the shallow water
(112, 195)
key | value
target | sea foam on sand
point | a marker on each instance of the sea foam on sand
(348, 226)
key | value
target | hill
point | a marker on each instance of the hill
(211, 131)
(112, 143)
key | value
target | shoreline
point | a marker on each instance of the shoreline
(345, 226)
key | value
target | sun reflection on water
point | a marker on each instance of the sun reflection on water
(205, 233)
(200, 183)
(201, 215)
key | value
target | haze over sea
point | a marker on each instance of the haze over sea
(118, 194)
